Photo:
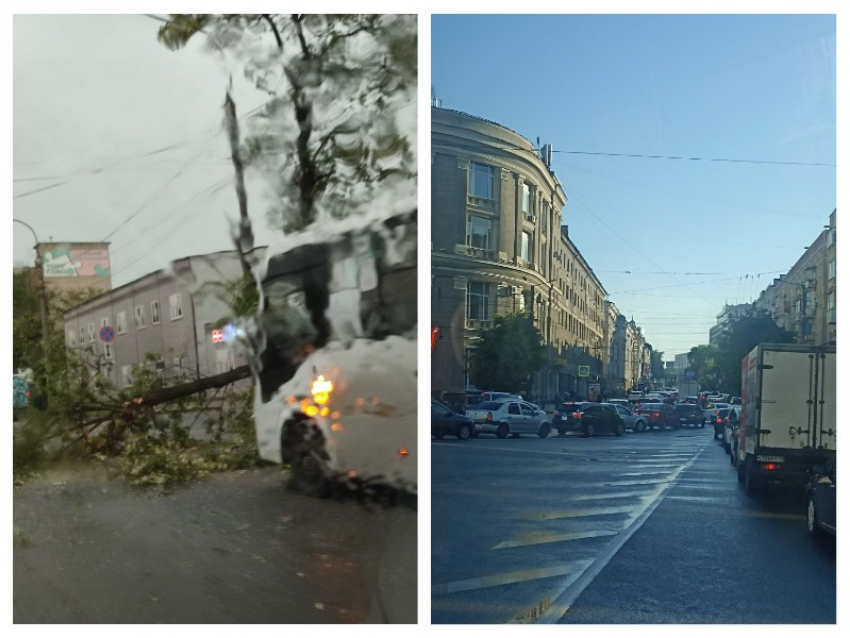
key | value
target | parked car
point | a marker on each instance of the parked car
(659, 415)
(568, 416)
(509, 417)
(730, 430)
(720, 421)
(496, 396)
(712, 409)
(598, 418)
(634, 422)
(445, 422)
(820, 502)
(457, 402)
(690, 414)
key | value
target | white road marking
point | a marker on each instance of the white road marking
(576, 568)
(553, 538)
(599, 511)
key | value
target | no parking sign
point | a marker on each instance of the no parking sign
(107, 334)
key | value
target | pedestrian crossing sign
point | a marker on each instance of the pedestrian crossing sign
(584, 371)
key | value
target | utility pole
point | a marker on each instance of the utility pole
(45, 332)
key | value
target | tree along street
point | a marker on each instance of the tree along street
(646, 528)
(237, 548)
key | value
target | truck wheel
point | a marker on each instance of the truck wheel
(502, 431)
(544, 430)
(812, 519)
(750, 481)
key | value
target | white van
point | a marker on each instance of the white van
(334, 355)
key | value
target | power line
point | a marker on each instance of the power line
(696, 159)
(38, 190)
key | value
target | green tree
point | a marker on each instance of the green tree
(508, 355)
(656, 364)
(702, 360)
(744, 334)
(26, 322)
(331, 140)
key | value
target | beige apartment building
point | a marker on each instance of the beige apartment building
(804, 299)
(498, 246)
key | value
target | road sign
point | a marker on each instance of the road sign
(584, 371)
(107, 334)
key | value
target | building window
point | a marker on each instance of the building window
(478, 300)
(832, 269)
(478, 232)
(140, 317)
(526, 199)
(121, 322)
(526, 251)
(154, 312)
(126, 375)
(481, 181)
(91, 333)
(175, 305)
(82, 336)
(104, 322)
(830, 301)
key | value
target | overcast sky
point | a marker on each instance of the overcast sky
(125, 138)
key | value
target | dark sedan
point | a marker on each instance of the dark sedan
(660, 415)
(444, 421)
(601, 418)
(690, 414)
(820, 502)
(568, 416)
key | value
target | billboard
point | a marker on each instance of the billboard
(75, 260)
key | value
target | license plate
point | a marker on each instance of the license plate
(770, 459)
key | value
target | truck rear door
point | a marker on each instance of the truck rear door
(788, 383)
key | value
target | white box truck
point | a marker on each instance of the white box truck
(688, 389)
(787, 425)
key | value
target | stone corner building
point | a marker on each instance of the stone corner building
(498, 246)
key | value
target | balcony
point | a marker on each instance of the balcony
(481, 205)
(479, 324)
(475, 253)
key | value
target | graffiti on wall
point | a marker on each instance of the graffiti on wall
(64, 261)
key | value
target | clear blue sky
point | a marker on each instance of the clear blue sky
(738, 87)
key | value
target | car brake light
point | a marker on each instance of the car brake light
(489, 416)
(720, 420)
(576, 415)
(28, 394)
(656, 414)
(770, 466)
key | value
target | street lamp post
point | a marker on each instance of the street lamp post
(45, 334)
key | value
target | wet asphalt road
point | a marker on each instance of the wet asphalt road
(647, 528)
(236, 548)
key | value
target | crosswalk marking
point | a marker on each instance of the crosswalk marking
(595, 497)
(625, 483)
(540, 539)
(600, 511)
(507, 578)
